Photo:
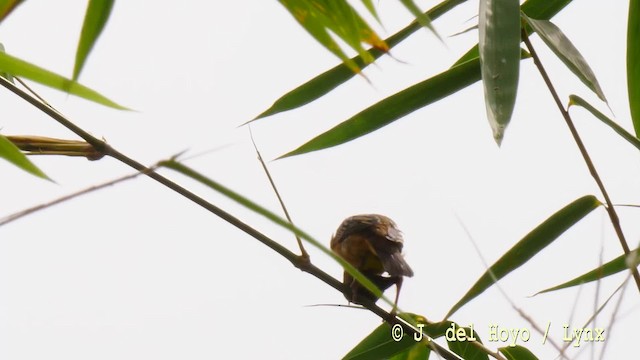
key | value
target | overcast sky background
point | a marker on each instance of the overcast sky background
(135, 271)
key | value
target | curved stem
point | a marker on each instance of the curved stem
(611, 211)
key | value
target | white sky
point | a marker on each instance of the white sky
(135, 271)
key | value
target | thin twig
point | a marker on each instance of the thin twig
(15, 216)
(613, 215)
(520, 312)
(303, 253)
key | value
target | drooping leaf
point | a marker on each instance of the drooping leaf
(21, 68)
(7, 6)
(567, 52)
(332, 78)
(95, 19)
(321, 18)
(619, 264)
(395, 107)
(517, 353)
(633, 63)
(4, 74)
(380, 344)
(499, 49)
(463, 346)
(11, 153)
(422, 18)
(577, 100)
(537, 9)
(538, 239)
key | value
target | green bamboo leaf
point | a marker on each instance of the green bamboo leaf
(11, 153)
(338, 17)
(95, 19)
(4, 74)
(499, 48)
(539, 238)
(371, 8)
(422, 18)
(565, 51)
(633, 63)
(332, 78)
(380, 344)
(21, 68)
(395, 107)
(577, 100)
(464, 347)
(517, 353)
(537, 9)
(617, 265)
(251, 205)
(7, 6)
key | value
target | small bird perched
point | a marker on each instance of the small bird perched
(372, 244)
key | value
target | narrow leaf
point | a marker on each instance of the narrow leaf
(395, 107)
(619, 264)
(464, 346)
(21, 68)
(332, 78)
(517, 353)
(538, 239)
(320, 18)
(12, 153)
(633, 63)
(3, 74)
(422, 18)
(537, 9)
(565, 51)
(577, 100)
(499, 48)
(7, 6)
(96, 17)
(380, 344)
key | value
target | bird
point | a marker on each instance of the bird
(372, 243)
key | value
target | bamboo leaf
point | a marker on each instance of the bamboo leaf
(577, 100)
(538, 239)
(465, 348)
(617, 265)
(95, 19)
(395, 107)
(7, 6)
(380, 344)
(565, 51)
(320, 18)
(21, 68)
(12, 153)
(499, 49)
(517, 353)
(4, 74)
(537, 9)
(633, 63)
(332, 78)
(422, 18)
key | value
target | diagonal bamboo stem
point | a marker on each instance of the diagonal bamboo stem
(611, 211)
